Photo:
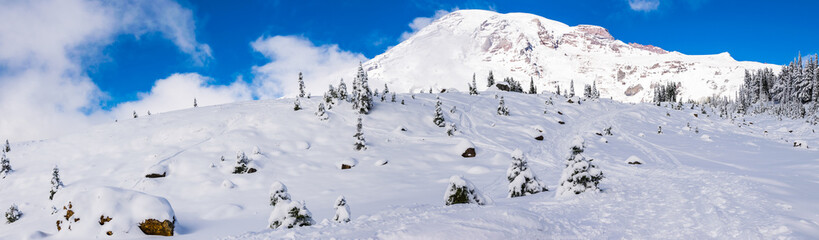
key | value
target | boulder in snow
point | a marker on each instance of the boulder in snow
(120, 211)
(466, 148)
(347, 163)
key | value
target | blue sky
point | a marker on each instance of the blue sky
(750, 30)
(68, 64)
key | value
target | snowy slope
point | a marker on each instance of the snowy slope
(724, 182)
(446, 53)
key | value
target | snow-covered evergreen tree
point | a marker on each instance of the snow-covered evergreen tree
(342, 210)
(595, 93)
(451, 129)
(329, 100)
(13, 214)
(5, 165)
(320, 113)
(571, 89)
(301, 86)
(490, 81)
(8, 147)
(56, 183)
(194, 103)
(362, 96)
(580, 175)
(473, 88)
(241, 163)
(462, 191)
(587, 91)
(393, 97)
(290, 214)
(296, 105)
(532, 87)
(135, 115)
(278, 193)
(522, 181)
(438, 119)
(502, 110)
(360, 144)
(342, 91)
(557, 90)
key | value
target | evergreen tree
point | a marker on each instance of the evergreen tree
(595, 93)
(331, 91)
(362, 97)
(56, 183)
(393, 97)
(438, 120)
(297, 105)
(451, 129)
(5, 165)
(135, 115)
(342, 90)
(8, 147)
(580, 175)
(462, 191)
(290, 214)
(490, 80)
(386, 89)
(320, 113)
(278, 193)
(587, 91)
(571, 89)
(473, 88)
(532, 87)
(342, 210)
(241, 163)
(194, 103)
(522, 181)
(328, 99)
(502, 110)
(13, 214)
(301, 86)
(360, 143)
(557, 91)
(149, 112)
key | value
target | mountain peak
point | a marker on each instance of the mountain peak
(450, 50)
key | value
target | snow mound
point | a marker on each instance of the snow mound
(125, 208)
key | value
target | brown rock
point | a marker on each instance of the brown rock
(155, 227)
(251, 170)
(539, 138)
(345, 166)
(561, 122)
(104, 219)
(470, 152)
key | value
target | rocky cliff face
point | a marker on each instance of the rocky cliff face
(446, 53)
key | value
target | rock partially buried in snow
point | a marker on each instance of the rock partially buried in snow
(634, 160)
(156, 171)
(381, 162)
(466, 148)
(155, 227)
(126, 209)
(347, 163)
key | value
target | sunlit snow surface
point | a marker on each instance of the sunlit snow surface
(737, 183)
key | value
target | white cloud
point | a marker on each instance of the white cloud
(420, 22)
(289, 55)
(178, 91)
(644, 5)
(44, 91)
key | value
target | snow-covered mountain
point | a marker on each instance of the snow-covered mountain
(446, 53)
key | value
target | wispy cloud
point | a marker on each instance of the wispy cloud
(420, 22)
(644, 5)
